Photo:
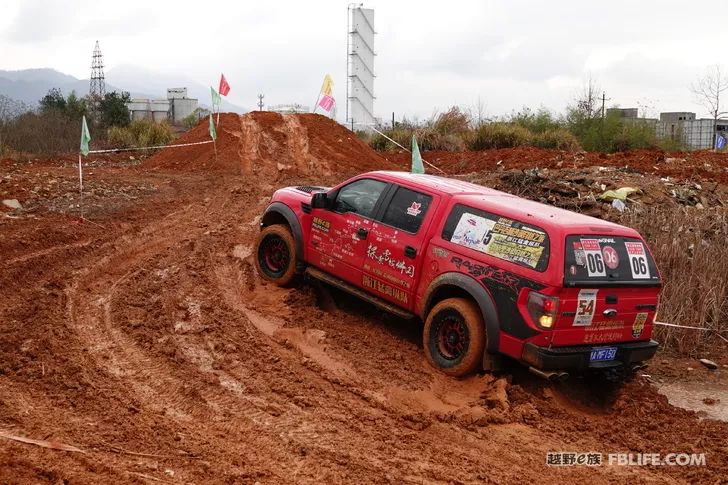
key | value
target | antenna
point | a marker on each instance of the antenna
(260, 102)
(97, 87)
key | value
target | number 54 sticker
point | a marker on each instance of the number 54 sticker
(586, 305)
(637, 260)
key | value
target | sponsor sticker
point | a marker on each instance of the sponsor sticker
(594, 258)
(586, 304)
(639, 324)
(637, 260)
(579, 254)
(414, 210)
(321, 224)
(610, 256)
(503, 238)
(384, 288)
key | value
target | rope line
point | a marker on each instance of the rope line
(113, 150)
(403, 148)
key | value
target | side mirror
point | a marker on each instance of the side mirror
(318, 200)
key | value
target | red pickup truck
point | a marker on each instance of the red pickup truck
(489, 273)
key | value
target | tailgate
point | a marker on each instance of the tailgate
(605, 315)
(611, 291)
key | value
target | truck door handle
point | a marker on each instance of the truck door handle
(410, 252)
(362, 233)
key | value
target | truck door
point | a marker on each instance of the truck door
(395, 244)
(339, 234)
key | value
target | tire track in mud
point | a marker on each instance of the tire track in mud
(90, 308)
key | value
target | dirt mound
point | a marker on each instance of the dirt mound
(272, 145)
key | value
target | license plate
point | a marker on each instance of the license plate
(603, 353)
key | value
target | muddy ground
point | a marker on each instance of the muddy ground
(142, 342)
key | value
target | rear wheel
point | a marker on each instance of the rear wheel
(275, 255)
(454, 336)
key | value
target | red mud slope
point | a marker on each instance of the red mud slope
(269, 144)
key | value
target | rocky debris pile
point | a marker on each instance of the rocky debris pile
(681, 166)
(599, 190)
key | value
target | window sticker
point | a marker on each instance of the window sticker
(502, 238)
(610, 256)
(586, 304)
(637, 260)
(594, 258)
(414, 209)
(579, 254)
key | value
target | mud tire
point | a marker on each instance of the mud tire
(275, 255)
(454, 337)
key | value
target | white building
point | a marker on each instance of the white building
(174, 109)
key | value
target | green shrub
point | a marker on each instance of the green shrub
(558, 138)
(119, 137)
(140, 133)
(431, 139)
(537, 122)
(499, 135)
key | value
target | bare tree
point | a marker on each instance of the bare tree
(9, 110)
(477, 113)
(587, 102)
(708, 91)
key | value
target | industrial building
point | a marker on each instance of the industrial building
(174, 109)
(288, 109)
(695, 134)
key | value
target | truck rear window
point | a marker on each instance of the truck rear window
(497, 236)
(592, 259)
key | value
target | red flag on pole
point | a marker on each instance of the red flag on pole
(224, 86)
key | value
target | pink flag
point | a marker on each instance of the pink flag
(224, 86)
(326, 103)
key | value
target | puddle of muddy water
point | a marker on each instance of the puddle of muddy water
(691, 395)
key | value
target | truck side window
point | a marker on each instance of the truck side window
(359, 197)
(407, 210)
(508, 239)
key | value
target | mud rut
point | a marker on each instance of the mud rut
(194, 371)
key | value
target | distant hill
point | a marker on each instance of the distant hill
(30, 85)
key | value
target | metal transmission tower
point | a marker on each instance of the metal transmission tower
(97, 88)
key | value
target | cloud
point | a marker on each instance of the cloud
(40, 21)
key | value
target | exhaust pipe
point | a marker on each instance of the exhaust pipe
(639, 366)
(550, 376)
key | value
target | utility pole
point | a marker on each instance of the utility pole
(393, 120)
(260, 102)
(604, 101)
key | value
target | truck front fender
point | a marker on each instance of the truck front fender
(279, 213)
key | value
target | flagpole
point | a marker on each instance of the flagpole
(80, 182)
(316, 103)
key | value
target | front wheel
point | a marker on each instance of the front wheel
(275, 255)
(454, 336)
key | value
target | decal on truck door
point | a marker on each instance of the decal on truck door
(585, 308)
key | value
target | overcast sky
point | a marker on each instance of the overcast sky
(431, 55)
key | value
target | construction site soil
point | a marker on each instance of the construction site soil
(139, 345)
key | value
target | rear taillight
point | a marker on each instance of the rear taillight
(542, 309)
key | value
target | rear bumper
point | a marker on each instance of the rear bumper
(577, 357)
